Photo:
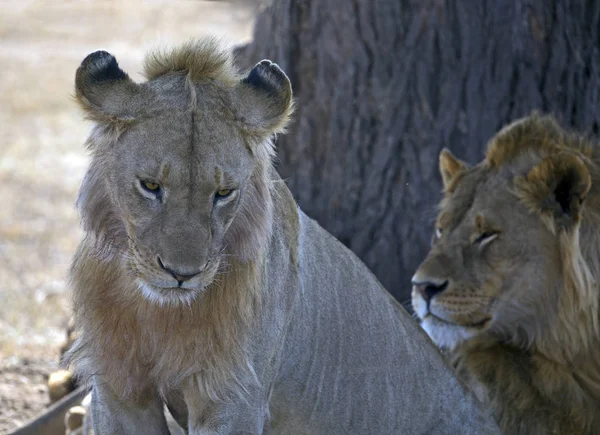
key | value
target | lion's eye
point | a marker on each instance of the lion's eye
(223, 193)
(438, 233)
(150, 186)
(485, 238)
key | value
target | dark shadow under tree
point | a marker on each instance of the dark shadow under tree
(382, 86)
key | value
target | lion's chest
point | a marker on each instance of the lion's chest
(140, 352)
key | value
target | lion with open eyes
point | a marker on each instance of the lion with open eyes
(200, 284)
(510, 286)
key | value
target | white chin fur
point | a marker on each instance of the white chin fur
(444, 334)
(164, 297)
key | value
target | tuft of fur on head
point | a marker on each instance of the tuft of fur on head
(537, 134)
(201, 60)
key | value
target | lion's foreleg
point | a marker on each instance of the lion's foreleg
(233, 415)
(114, 416)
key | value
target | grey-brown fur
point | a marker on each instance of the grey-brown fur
(283, 329)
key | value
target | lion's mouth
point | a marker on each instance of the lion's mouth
(173, 290)
(164, 295)
(476, 325)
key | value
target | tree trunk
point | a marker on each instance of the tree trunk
(382, 85)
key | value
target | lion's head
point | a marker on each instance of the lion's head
(180, 163)
(515, 247)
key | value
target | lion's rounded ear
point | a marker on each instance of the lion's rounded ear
(266, 99)
(450, 167)
(557, 186)
(103, 90)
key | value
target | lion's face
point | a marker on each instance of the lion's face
(495, 262)
(178, 184)
(179, 179)
(484, 266)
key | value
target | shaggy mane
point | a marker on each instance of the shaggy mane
(203, 59)
(536, 133)
(577, 325)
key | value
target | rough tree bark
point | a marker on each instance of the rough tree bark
(382, 85)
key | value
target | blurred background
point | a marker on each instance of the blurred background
(42, 159)
(381, 86)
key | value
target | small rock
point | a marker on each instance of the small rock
(60, 384)
(74, 418)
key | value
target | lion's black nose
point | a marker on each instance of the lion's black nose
(180, 277)
(428, 289)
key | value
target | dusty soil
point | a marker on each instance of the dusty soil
(23, 389)
(42, 160)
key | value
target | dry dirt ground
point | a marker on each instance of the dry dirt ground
(42, 159)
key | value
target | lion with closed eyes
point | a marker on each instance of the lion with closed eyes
(510, 286)
(201, 285)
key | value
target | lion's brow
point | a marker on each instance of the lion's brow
(456, 209)
(165, 171)
(218, 176)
